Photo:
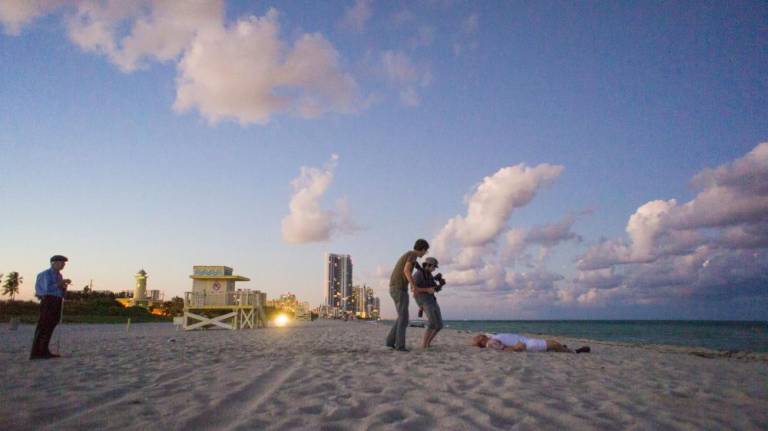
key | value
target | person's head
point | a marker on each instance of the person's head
(421, 246)
(58, 261)
(480, 340)
(430, 264)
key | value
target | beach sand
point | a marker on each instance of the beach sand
(328, 375)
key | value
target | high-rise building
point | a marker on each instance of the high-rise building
(337, 284)
(369, 302)
(376, 309)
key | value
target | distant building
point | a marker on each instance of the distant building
(214, 291)
(376, 309)
(337, 284)
(286, 302)
(138, 296)
(358, 301)
(140, 289)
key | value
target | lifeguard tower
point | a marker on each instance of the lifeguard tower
(215, 303)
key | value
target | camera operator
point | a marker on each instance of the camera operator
(427, 300)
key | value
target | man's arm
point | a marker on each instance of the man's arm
(53, 282)
(408, 273)
(40, 285)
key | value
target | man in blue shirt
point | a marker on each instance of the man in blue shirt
(49, 289)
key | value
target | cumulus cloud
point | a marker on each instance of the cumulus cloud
(473, 247)
(307, 221)
(714, 246)
(242, 71)
(357, 15)
(732, 201)
(159, 30)
(14, 14)
(492, 203)
(545, 236)
(552, 234)
(245, 72)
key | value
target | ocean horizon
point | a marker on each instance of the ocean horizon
(728, 335)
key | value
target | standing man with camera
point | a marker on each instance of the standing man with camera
(402, 276)
(427, 285)
(49, 289)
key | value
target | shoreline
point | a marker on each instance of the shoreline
(700, 351)
(703, 349)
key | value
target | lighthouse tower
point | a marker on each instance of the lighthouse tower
(140, 291)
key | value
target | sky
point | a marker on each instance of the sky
(590, 160)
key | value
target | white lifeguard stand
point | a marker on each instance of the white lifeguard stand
(215, 303)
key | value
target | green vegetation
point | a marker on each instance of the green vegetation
(12, 282)
(89, 307)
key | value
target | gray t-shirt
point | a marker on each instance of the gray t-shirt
(397, 280)
(424, 279)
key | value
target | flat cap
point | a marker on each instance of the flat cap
(59, 258)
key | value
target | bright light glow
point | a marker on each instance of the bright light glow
(281, 320)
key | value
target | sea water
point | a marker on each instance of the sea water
(716, 335)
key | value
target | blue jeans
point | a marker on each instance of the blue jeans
(431, 309)
(396, 337)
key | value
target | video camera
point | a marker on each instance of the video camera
(440, 282)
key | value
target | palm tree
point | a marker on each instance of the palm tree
(12, 282)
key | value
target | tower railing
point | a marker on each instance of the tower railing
(243, 298)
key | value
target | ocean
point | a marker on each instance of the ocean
(717, 335)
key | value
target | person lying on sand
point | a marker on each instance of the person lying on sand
(520, 343)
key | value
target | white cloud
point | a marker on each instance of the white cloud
(733, 201)
(307, 221)
(552, 234)
(14, 14)
(159, 29)
(357, 15)
(714, 246)
(492, 203)
(546, 236)
(243, 71)
(468, 246)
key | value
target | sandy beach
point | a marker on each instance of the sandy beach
(338, 376)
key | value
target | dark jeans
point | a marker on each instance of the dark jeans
(50, 313)
(396, 337)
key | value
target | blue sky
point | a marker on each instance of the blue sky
(163, 136)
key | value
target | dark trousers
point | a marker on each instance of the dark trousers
(50, 313)
(396, 337)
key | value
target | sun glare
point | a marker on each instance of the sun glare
(281, 320)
